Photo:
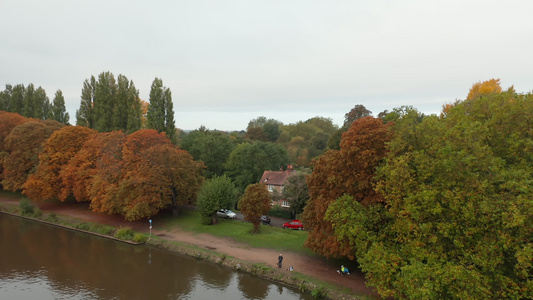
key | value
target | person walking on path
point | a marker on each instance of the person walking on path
(280, 259)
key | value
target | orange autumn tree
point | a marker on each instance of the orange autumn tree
(162, 176)
(46, 183)
(103, 153)
(8, 121)
(483, 88)
(77, 176)
(349, 170)
(139, 174)
(254, 203)
(22, 147)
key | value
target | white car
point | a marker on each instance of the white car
(226, 213)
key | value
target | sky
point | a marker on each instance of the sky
(228, 62)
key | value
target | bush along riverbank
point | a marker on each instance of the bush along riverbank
(28, 211)
(297, 280)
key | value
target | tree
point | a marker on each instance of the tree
(58, 110)
(359, 111)
(29, 102)
(108, 105)
(263, 129)
(89, 163)
(16, 104)
(216, 193)
(211, 147)
(296, 192)
(46, 183)
(247, 162)
(161, 176)
(127, 110)
(456, 205)
(23, 145)
(85, 114)
(254, 203)
(306, 140)
(349, 170)
(483, 88)
(42, 104)
(105, 101)
(101, 186)
(160, 114)
(8, 121)
(5, 98)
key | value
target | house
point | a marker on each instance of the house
(274, 180)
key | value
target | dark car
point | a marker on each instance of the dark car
(295, 224)
(265, 220)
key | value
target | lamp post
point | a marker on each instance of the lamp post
(150, 221)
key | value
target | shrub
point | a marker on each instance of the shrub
(83, 226)
(52, 217)
(303, 286)
(319, 293)
(139, 238)
(124, 233)
(26, 209)
(37, 212)
(280, 212)
(101, 229)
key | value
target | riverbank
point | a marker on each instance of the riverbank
(311, 274)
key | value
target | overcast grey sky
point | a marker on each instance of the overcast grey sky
(227, 62)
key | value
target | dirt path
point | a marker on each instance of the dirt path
(313, 267)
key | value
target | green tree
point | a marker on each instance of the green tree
(58, 110)
(248, 161)
(105, 101)
(160, 115)
(211, 147)
(263, 129)
(5, 98)
(454, 224)
(29, 102)
(306, 140)
(108, 105)
(216, 193)
(254, 203)
(85, 114)
(16, 104)
(296, 192)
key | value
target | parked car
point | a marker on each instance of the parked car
(295, 224)
(226, 213)
(265, 220)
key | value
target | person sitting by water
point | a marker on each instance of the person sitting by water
(344, 270)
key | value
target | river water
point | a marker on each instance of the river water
(40, 261)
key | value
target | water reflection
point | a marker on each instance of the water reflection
(46, 262)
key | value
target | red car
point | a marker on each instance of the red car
(294, 225)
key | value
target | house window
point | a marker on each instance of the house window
(285, 203)
(270, 188)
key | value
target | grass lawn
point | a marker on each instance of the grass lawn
(268, 237)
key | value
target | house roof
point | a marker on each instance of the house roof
(276, 177)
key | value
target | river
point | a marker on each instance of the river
(40, 261)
